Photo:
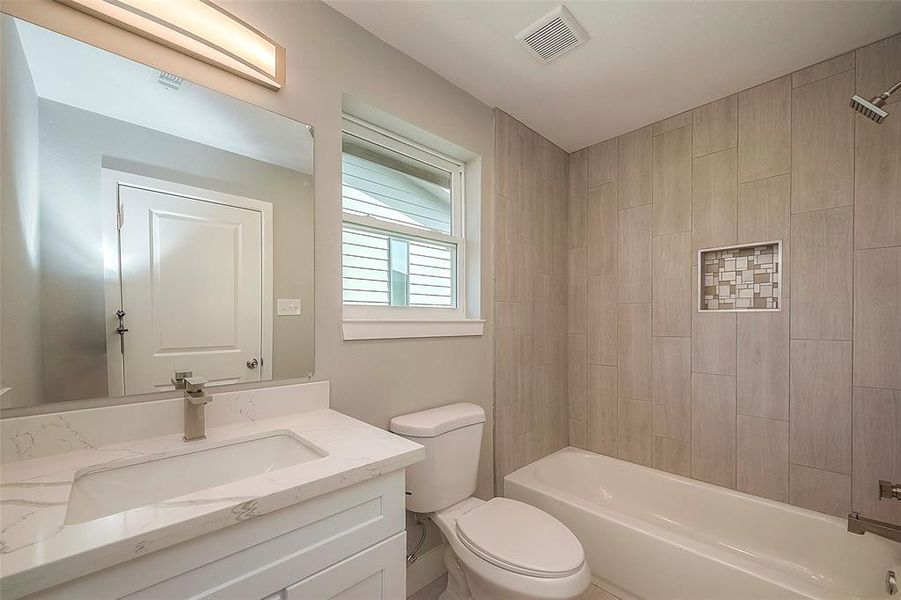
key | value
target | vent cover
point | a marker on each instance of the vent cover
(553, 35)
(170, 81)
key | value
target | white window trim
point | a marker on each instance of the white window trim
(364, 322)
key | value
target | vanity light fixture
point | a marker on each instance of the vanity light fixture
(199, 29)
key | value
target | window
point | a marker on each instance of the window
(402, 237)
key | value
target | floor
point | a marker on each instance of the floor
(434, 589)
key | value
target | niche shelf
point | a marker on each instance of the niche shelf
(743, 278)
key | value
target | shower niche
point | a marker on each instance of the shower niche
(742, 278)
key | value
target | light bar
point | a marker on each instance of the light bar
(199, 29)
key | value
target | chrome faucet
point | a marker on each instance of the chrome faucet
(196, 399)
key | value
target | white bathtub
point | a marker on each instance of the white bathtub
(656, 536)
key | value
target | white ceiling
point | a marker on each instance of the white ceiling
(645, 60)
(70, 72)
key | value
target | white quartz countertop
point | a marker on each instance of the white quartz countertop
(39, 550)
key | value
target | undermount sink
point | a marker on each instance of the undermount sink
(115, 487)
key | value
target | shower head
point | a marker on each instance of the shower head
(869, 108)
(872, 109)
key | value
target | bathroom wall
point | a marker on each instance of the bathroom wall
(530, 297)
(20, 358)
(802, 405)
(75, 146)
(329, 55)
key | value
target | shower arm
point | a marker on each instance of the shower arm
(881, 98)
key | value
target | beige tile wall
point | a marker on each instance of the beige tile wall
(531, 230)
(802, 405)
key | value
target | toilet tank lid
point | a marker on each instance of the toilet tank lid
(435, 421)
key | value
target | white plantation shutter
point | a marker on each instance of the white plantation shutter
(400, 243)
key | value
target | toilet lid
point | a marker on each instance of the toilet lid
(521, 538)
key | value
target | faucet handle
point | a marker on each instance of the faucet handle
(195, 384)
(179, 380)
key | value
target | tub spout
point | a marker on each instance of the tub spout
(861, 525)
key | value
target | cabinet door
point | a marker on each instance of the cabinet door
(377, 573)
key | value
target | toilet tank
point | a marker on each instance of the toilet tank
(452, 436)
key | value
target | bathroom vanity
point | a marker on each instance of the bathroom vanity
(285, 498)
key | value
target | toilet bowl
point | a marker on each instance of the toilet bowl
(507, 550)
(499, 549)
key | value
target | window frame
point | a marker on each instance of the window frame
(356, 313)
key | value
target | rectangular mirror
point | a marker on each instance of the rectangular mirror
(149, 225)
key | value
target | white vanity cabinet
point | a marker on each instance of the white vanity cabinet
(348, 544)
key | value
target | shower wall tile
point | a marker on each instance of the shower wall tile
(877, 205)
(823, 144)
(762, 457)
(507, 249)
(577, 358)
(821, 405)
(634, 351)
(877, 325)
(714, 191)
(672, 123)
(770, 405)
(531, 274)
(763, 357)
(633, 431)
(602, 320)
(578, 434)
(577, 296)
(672, 181)
(527, 195)
(713, 429)
(636, 156)
(671, 387)
(672, 455)
(506, 364)
(715, 126)
(822, 274)
(764, 130)
(822, 491)
(602, 212)
(507, 155)
(671, 274)
(578, 203)
(878, 66)
(602, 163)
(634, 254)
(602, 409)
(877, 451)
(546, 225)
(763, 216)
(827, 68)
(713, 338)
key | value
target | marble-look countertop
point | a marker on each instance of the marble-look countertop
(39, 550)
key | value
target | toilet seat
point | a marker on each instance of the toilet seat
(521, 539)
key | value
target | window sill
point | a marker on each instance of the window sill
(387, 329)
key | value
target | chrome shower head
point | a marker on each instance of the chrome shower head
(872, 109)
(869, 108)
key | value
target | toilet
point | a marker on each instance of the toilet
(498, 549)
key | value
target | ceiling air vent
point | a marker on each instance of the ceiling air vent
(553, 35)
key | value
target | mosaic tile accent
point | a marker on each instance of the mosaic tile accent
(741, 278)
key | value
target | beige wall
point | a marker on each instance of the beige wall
(802, 405)
(328, 55)
(530, 297)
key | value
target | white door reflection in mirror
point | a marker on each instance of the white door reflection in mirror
(193, 282)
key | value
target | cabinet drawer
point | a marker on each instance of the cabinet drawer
(377, 573)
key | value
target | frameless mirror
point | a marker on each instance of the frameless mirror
(149, 225)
